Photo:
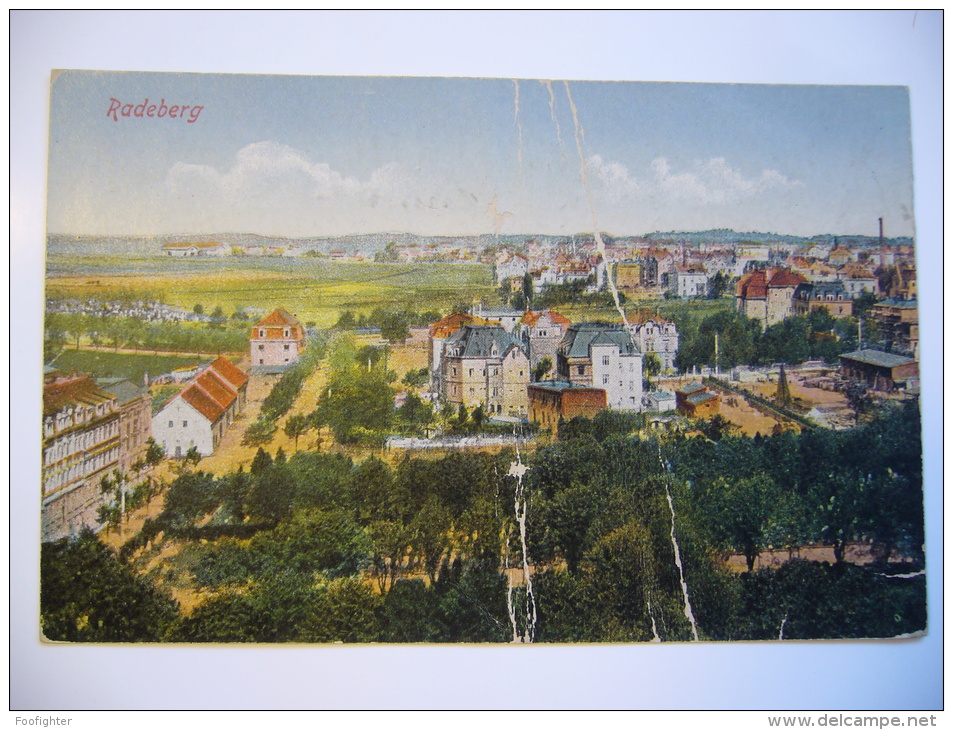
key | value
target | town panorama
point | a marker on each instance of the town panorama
(694, 434)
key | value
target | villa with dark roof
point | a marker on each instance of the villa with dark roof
(485, 365)
(601, 355)
(830, 295)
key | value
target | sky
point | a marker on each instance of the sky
(326, 156)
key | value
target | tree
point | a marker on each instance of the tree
(745, 510)
(719, 285)
(271, 494)
(389, 255)
(259, 433)
(416, 378)
(296, 426)
(415, 413)
(651, 366)
(154, 452)
(86, 594)
(528, 289)
(261, 462)
(346, 321)
(542, 368)
(355, 403)
(192, 456)
(394, 327)
(198, 309)
(478, 416)
(115, 486)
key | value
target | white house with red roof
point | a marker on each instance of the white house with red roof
(199, 414)
(276, 342)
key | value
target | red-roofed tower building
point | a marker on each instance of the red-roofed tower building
(276, 342)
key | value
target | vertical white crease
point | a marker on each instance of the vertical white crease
(552, 113)
(600, 244)
(519, 125)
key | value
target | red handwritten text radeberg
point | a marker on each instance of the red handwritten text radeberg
(145, 109)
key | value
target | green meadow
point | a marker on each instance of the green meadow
(315, 291)
(104, 364)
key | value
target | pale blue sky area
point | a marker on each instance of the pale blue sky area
(319, 156)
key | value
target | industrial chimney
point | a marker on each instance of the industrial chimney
(881, 221)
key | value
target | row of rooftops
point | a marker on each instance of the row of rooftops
(213, 391)
(492, 340)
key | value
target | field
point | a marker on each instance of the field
(315, 291)
(103, 363)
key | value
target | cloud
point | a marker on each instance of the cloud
(268, 167)
(706, 182)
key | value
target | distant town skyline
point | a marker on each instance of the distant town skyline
(295, 156)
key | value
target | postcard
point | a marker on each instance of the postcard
(450, 360)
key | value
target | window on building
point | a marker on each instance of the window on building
(605, 379)
(605, 359)
(582, 369)
(185, 424)
(261, 347)
(287, 332)
(287, 347)
(261, 333)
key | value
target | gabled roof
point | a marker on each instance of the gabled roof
(530, 318)
(693, 387)
(230, 372)
(782, 278)
(279, 318)
(202, 402)
(753, 285)
(72, 391)
(856, 271)
(580, 338)
(443, 328)
(216, 387)
(482, 341)
(124, 389)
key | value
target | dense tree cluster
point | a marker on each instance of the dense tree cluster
(317, 547)
(219, 335)
(88, 595)
(743, 341)
(394, 325)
